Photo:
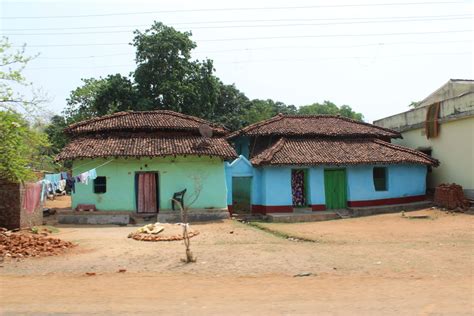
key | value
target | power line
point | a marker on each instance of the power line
(422, 17)
(351, 57)
(80, 67)
(269, 47)
(267, 37)
(83, 57)
(340, 46)
(240, 26)
(330, 35)
(275, 60)
(237, 9)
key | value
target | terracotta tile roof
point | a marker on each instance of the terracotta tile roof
(148, 145)
(333, 151)
(315, 125)
(143, 121)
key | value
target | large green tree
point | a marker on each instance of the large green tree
(55, 132)
(23, 147)
(97, 97)
(231, 104)
(328, 107)
(167, 77)
(13, 83)
(260, 110)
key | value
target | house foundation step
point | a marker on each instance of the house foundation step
(302, 217)
(384, 209)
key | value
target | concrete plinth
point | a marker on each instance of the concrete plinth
(193, 216)
(384, 209)
(302, 217)
(96, 218)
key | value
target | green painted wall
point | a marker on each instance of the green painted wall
(175, 174)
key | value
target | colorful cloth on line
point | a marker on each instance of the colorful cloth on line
(71, 182)
(32, 196)
(84, 177)
(92, 174)
(44, 189)
(62, 185)
(53, 180)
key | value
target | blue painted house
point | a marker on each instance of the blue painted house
(321, 162)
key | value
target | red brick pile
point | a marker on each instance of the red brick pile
(21, 245)
(451, 196)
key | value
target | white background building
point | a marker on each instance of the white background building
(454, 144)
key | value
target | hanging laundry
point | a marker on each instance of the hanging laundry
(31, 197)
(62, 185)
(71, 182)
(92, 174)
(84, 177)
(49, 187)
(64, 175)
(44, 189)
(53, 179)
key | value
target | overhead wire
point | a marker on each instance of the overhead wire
(237, 9)
(422, 17)
(244, 26)
(269, 38)
(272, 60)
(269, 47)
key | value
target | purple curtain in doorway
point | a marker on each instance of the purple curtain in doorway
(297, 187)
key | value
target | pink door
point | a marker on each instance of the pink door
(146, 195)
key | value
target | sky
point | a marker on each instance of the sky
(375, 56)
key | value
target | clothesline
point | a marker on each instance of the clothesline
(58, 181)
(97, 166)
(85, 176)
(87, 163)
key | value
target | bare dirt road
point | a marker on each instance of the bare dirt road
(375, 265)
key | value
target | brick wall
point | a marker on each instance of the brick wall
(12, 215)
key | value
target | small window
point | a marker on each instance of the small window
(380, 178)
(100, 185)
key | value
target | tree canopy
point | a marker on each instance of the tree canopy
(328, 107)
(97, 97)
(166, 77)
(24, 146)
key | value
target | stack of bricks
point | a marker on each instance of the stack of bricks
(450, 196)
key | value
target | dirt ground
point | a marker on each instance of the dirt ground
(382, 264)
(61, 202)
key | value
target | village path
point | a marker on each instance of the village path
(375, 265)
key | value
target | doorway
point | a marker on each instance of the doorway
(299, 187)
(335, 188)
(241, 194)
(146, 191)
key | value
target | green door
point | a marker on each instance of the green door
(241, 188)
(335, 188)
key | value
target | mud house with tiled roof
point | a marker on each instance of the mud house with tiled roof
(143, 158)
(321, 162)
